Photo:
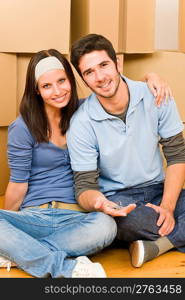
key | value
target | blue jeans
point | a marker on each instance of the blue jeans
(141, 222)
(41, 241)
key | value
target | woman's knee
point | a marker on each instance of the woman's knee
(106, 228)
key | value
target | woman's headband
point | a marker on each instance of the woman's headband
(46, 64)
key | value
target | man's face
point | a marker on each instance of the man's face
(100, 73)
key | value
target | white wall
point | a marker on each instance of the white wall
(166, 27)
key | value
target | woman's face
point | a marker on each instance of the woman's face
(54, 88)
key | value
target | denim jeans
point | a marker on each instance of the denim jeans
(41, 241)
(141, 222)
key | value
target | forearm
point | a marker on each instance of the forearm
(92, 200)
(14, 196)
(174, 181)
(89, 198)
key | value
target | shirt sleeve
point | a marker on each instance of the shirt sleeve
(20, 145)
(174, 149)
(82, 145)
(169, 121)
(86, 181)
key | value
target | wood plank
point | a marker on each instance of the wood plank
(117, 265)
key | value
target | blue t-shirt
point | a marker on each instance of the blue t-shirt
(45, 166)
(127, 154)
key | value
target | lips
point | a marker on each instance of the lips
(59, 99)
(105, 85)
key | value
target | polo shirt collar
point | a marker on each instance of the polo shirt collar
(96, 110)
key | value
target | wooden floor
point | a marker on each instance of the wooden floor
(116, 262)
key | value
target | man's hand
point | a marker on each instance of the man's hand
(159, 88)
(113, 209)
(166, 219)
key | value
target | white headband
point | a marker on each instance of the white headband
(46, 64)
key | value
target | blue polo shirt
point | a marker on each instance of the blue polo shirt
(127, 155)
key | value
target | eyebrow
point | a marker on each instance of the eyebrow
(102, 62)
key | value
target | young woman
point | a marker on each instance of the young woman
(42, 224)
(42, 228)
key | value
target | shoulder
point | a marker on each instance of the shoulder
(19, 122)
(19, 129)
(81, 115)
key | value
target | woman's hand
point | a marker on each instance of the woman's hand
(159, 88)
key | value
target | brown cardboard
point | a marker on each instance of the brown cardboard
(139, 26)
(129, 24)
(22, 63)
(169, 65)
(182, 25)
(120, 58)
(4, 171)
(30, 26)
(94, 16)
(8, 63)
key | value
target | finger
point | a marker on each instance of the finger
(161, 220)
(114, 212)
(153, 89)
(158, 96)
(169, 229)
(130, 208)
(167, 224)
(168, 94)
(99, 203)
(155, 207)
(161, 96)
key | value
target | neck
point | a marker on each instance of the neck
(53, 114)
(119, 102)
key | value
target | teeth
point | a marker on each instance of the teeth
(59, 99)
(105, 85)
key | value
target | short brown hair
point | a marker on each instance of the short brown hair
(89, 43)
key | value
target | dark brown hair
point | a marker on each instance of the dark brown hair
(32, 106)
(89, 43)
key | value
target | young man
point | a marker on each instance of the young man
(114, 148)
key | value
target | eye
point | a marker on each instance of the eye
(46, 86)
(104, 64)
(61, 80)
(89, 72)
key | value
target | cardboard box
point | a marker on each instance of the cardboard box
(139, 26)
(22, 64)
(182, 25)
(8, 75)
(121, 61)
(168, 65)
(128, 24)
(4, 170)
(30, 26)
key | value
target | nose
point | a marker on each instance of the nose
(56, 89)
(99, 75)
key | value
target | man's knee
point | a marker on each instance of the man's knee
(141, 223)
